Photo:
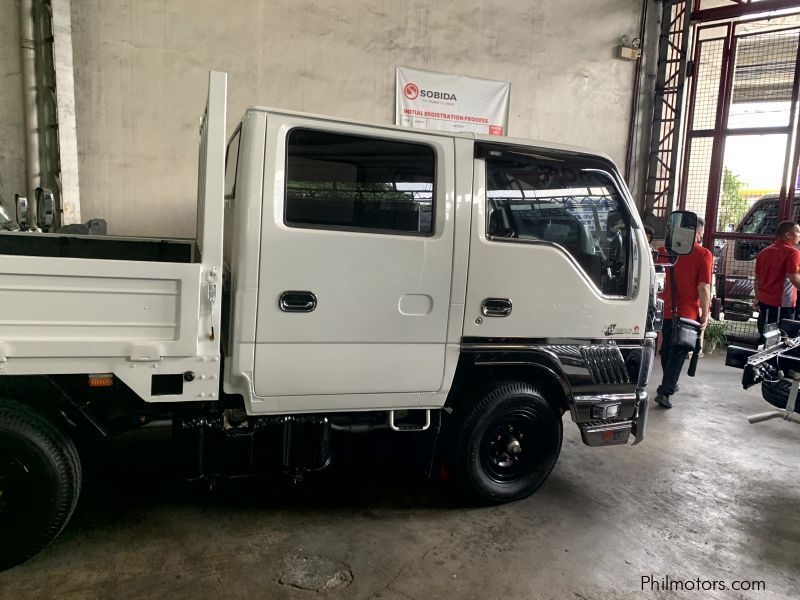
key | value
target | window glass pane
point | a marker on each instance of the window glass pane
(763, 220)
(750, 191)
(231, 162)
(762, 80)
(696, 176)
(774, 22)
(707, 4)
(759, 114)
(709, 71)
(355, 182)
(752, 169)
(565, 200)
(713, 33)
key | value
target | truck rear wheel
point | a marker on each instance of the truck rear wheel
(508, 443)
(40, 480)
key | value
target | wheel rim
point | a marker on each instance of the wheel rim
(512, 446)
(15, 490)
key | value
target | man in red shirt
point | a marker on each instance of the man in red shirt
(692, 274)
(778, 276)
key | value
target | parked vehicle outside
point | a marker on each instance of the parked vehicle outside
(735, 271)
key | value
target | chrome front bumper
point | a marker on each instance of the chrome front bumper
(610, 419)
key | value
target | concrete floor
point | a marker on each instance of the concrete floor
(707, 496)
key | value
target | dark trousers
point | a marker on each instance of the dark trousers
(672, 360)
(772, 314)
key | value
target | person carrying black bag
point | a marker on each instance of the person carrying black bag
(687, 295)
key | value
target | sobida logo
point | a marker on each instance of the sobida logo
(412, 91)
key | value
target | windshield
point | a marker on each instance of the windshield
(763, 220)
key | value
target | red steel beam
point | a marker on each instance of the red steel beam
(718, 148)
(682, 191)
(792, 151)
(742, 236)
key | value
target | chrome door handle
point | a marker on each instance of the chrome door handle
(297, 301)
(496, 307)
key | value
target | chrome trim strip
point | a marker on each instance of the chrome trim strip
(639, 429)
(648, 359)
(502, 347)
(606, 342)
(605, 398)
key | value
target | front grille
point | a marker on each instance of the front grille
(606, 364)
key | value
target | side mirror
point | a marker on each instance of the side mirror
(45, 209)
(21, 204)
(681, 233)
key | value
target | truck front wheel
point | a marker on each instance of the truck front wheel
(40, 479)
(508, 443)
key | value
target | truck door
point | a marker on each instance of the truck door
(555, 252)
(356, 254)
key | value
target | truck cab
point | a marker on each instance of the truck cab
(364, 262)
(345, 277)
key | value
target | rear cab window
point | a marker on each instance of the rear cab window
(359, 183)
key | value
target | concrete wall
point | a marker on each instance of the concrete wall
(141, 72)
(12, 116)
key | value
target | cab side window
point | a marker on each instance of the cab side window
(565, 200)
(358, 183)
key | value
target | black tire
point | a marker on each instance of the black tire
(777, 393)
(40, 480)
(510, 415)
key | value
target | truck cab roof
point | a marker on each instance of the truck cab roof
(511, 141)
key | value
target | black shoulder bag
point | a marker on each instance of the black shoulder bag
(685, 332)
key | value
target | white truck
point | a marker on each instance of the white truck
(344, 277)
